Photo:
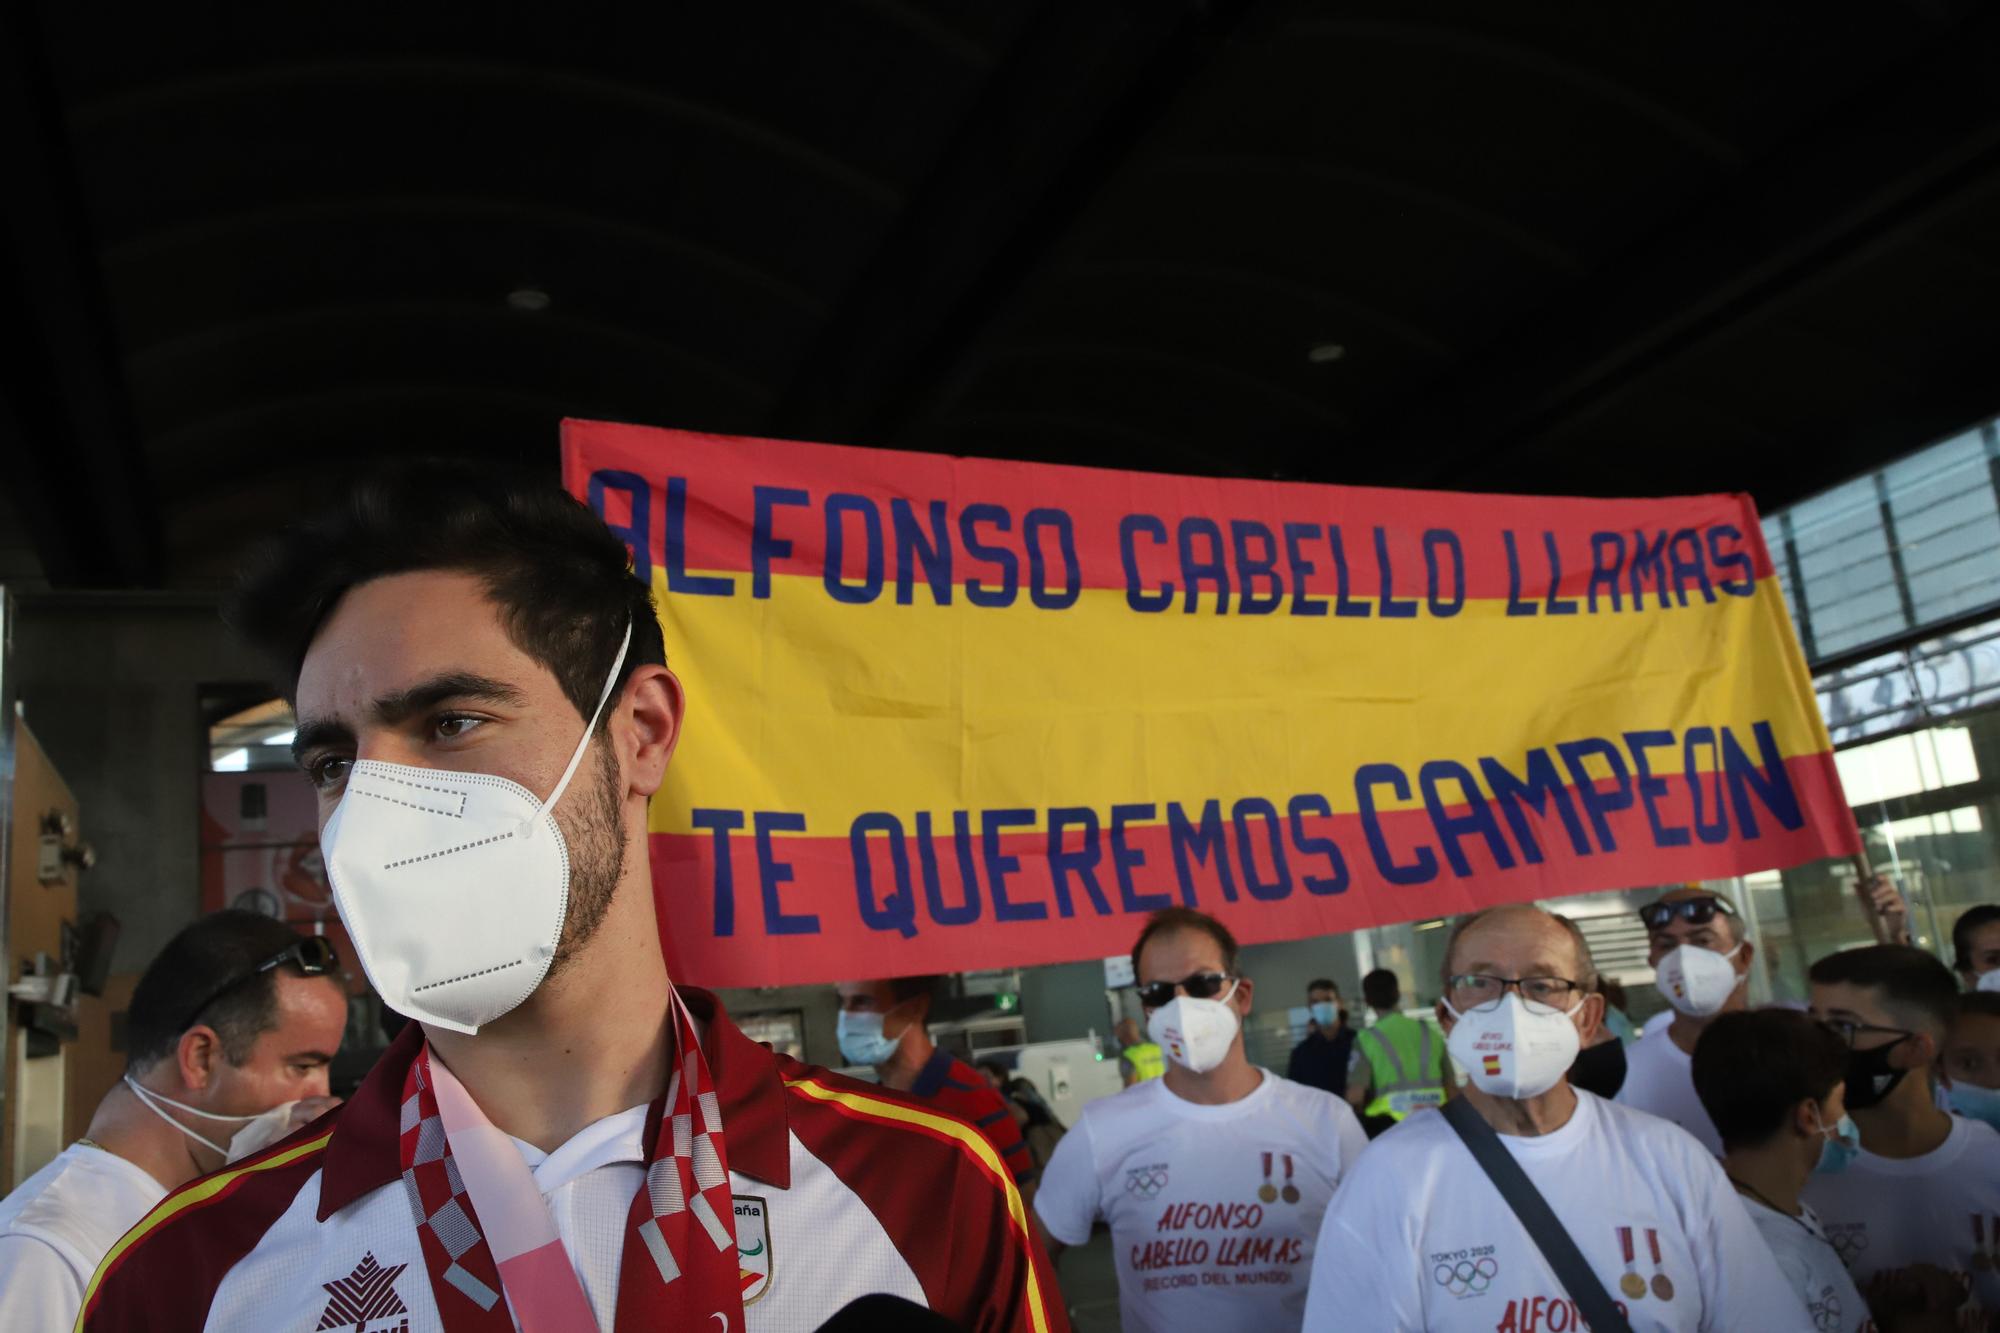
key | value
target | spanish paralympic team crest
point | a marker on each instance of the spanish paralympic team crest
(753, 1245)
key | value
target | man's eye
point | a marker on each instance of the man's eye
(453, 726)
(329, 770)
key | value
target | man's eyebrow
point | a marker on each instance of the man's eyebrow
(315, 732)
(391, 709)
(399, 706)
(309, 1058)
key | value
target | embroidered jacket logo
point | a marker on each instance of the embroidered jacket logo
(366, 1294)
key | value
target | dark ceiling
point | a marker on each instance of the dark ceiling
(1568, 247)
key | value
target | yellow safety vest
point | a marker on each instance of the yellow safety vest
(1148, 1061)
(1406, 1068)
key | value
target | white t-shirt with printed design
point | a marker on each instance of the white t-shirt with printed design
(1807, 1260)
(1213, 1209)
(1659, 1080)
(1421, 1239)
(1942, 1208)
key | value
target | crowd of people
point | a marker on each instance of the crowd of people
(571, 1140)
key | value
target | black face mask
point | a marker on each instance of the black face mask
(1600, 1069)
(1869, 1077)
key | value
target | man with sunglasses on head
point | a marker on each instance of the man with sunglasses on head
(1420, 1238)
(1701, 963)
(229, 1036)
(562, 1139)
(1924, 1185)
(1212, 1177)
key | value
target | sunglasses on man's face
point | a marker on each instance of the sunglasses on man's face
(1200, 986)
(1694, 911)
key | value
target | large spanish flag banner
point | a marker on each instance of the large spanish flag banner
(950, 713)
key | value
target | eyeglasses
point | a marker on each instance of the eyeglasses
(1847, 1030)
(1694, 911)
(1200, 986)
(314, 955)
(1477, 993)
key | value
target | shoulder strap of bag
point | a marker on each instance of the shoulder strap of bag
(1543, 1227)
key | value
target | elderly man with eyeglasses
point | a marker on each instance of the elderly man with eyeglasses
(1214, 1176)
(1421, 1238)
(229, 1036)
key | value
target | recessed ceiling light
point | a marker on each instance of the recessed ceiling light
(1321, 353)
(530, 299)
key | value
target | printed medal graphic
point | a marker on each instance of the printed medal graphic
(1267, 1191)
(1663, 1286)
(753, 1245)
(1631, 1284)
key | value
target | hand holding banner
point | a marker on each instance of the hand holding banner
(957, 713)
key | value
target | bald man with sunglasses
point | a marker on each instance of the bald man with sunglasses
(1214, 1176)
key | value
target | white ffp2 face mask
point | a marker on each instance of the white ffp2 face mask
(453, 886)
(1989, 982)
(258, 1132)
(1698, 981)
(1511, 1050)
(1195, 1034)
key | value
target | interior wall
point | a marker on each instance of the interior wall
(109, 682)
(35, 913)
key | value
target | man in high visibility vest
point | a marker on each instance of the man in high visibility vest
(1398, 1065)
(1138, 1059)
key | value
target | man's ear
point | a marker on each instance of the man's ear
(1443, 1015)
(1805, 1118)
(1245, 990)
(647, 727)
(1746, 957)
(1590, 1018)
(1920, 1050)
(196, 1056)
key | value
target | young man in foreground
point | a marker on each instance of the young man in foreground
(561, 1140)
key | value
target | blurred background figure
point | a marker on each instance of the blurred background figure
(1138, 1057)
(882, 1025)
(1969, 1073)
(1320, 1061)
(231, 1031)
(1398, 1062)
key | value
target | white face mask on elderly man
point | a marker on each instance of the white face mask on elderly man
(1512, 1050)
(453, 886)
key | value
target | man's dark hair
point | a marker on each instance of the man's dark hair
(1321, 983)
(1381, 989)
(909, 988)
(1168, 920)
(168, 999)
(1910, 979)
(1978, 1003)
(561, 579)
(1751, 1068)
(1971, 919)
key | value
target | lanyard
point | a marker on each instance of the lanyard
(484, 1227)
